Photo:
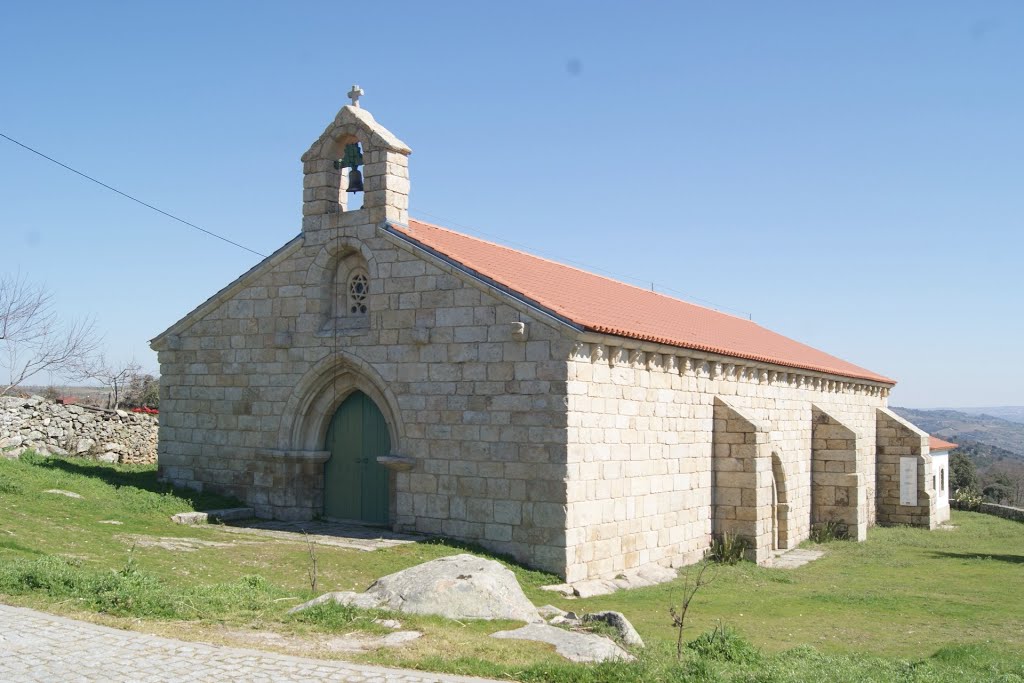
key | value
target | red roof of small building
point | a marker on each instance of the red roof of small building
(937, 444)
(600, 304)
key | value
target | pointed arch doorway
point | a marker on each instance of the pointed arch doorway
(355, 484)
(780, 506)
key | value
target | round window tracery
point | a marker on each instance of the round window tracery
(358, 288)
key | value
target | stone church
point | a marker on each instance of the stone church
(381, 369)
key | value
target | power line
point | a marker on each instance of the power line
(128, 196)
(450, 222)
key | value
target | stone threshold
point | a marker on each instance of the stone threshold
(212, 516)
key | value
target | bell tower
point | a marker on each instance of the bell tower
(355, 154)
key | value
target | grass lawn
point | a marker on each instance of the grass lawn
(907, 605)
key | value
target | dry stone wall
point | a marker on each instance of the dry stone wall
(49, 428)
(1004, 511)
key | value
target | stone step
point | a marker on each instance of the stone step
(225, 515)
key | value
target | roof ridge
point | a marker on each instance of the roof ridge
(582, 270)
(605, 305)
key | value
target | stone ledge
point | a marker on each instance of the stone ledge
(397, 463)
(291, 456)
(225, 515)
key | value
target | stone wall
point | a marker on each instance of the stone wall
(1004, 511)
(744, 476)
(837, 486)
(897, 439)
(641, 432)
(583, 454)
(468, 384)
(49, 428)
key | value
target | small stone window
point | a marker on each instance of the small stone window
(358, 288)
(346, 294)
(942, 479)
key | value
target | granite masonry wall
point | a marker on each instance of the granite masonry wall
(899, 439)
(838, 494)
(468, 384)
(582, 454)
(49, 428)
(642, 436)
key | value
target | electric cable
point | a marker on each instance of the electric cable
(134, 199)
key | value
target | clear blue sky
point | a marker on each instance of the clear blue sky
(849, 174)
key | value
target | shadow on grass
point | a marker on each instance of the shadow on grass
(143, 479)
(1014, 559)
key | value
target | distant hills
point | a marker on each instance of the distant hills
(1011, 413)
(994, 444)
(964, 426)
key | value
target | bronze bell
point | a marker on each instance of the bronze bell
(355, 180)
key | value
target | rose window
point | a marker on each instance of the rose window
(358, 287)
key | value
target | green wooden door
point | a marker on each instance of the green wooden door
(355, 484)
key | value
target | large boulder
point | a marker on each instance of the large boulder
(620, 623)
(574, 646)
(458, 587)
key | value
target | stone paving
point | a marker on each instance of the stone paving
(791, 559)
(335, 534)
(41, 647)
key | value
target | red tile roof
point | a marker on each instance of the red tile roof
(937, 444)
(604, 305)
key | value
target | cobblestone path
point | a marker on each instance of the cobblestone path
(35, 646)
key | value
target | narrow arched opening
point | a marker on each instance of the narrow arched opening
(780, 505)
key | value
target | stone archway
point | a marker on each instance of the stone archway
(780, 505)
(317, 396)
(308, 413)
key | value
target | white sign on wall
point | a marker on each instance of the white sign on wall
(908, 481)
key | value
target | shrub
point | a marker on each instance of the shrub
(966, 499)
(831, 530)
(728, 548)
(724, 644)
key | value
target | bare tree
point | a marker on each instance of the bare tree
(142, 391)
(32, 336)
(115, 376)
(689, 592)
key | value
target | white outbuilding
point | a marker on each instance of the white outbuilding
(940, 473)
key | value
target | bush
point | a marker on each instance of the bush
(724, 644)
(728, 548)
(966, 499)
(831, 530)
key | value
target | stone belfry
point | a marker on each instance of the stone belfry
(329, 164)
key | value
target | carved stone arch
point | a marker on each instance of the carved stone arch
(322, 269)
(320, 392)
(385, 169)
(331, 270)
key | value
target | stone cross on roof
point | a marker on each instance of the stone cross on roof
(354, 94)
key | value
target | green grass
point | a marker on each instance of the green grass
(907, 605)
